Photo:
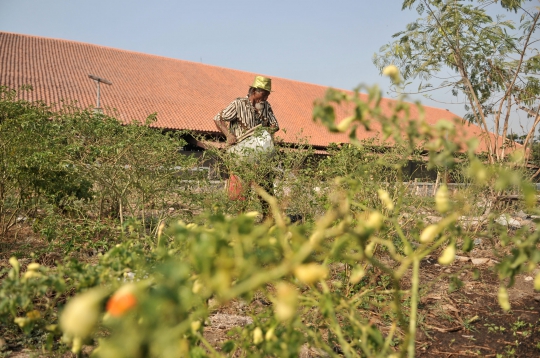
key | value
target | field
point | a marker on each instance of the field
(113, 247)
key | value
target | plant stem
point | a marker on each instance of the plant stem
(414, 306)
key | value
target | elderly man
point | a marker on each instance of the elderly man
(245, 113)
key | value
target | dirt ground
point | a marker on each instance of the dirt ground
(467, 322)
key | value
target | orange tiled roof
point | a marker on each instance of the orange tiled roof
(185, 95)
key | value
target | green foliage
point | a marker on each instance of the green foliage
(31, 300)
(86, 164)
(357, 250)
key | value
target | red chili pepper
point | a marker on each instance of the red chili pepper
(119, 304)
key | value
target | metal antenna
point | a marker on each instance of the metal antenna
(98, 81)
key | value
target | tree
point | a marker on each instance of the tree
(490, 60)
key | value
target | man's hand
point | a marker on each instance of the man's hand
(231, 139)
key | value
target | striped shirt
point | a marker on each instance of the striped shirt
(242, 116)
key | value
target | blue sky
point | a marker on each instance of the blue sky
(330, 43)
(324, 42)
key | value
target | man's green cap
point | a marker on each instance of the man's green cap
(264, 83)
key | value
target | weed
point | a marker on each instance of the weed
(493, 328)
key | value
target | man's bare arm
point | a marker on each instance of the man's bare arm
(222, 126)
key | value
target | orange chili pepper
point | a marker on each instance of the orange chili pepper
(119, 304)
